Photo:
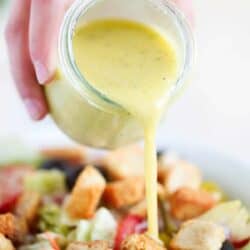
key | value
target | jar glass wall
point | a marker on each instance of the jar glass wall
(80, 110)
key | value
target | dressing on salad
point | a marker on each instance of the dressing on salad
(136, 67)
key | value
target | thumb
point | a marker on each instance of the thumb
(45, 21)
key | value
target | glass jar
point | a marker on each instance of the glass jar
(81, 111)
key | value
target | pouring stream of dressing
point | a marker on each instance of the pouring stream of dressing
(134, 66)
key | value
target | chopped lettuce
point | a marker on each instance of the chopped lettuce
(165, 238)
(50, 220)
(54, 219)
(83, 231)
(101, 227)
(45, 182)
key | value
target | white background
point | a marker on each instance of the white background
(214, 110)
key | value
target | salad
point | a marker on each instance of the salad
(59, 199)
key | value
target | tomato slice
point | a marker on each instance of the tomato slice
(8, 201)
(11, 185)
(242, 243)
(129, 225)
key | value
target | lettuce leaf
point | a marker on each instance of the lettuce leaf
(50, 220)
(83, 231)
(101, 227)
(45, 182)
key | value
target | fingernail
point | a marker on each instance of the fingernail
(42, 72)
(34, 108)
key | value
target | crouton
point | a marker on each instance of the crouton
(139, 209)
(198, 235)
(94, 245)
(179, 174)
(12, 227)
(74, 155)
(127, 192)
(140, 242)
(187, 203)
(124, 162)
(5, 244)
(86, 194)
(28, 206)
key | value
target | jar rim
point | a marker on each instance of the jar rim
(73, 74)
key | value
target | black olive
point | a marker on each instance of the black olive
(227, 245)
(103, 172)
(54, 164)
(71, 174)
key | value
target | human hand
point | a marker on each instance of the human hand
(31, 36)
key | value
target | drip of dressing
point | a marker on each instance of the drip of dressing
(135, 66)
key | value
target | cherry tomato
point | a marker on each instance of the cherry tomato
(11, 186)
(242, 243)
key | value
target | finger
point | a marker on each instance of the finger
(45, 20)
(186, 6)
(20, 62)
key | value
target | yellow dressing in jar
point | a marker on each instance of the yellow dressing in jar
(133, 65)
